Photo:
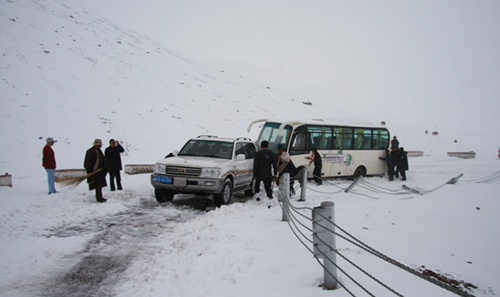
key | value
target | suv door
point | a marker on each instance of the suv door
(244, 168)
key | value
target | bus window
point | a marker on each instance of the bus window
(363, 139)
(380, 139)
(344, 138)
(320, 137)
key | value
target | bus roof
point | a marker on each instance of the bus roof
(318, 122)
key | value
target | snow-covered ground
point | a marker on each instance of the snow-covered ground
(50, 244)
(75, 76)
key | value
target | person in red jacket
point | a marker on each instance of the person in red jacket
(49, 163)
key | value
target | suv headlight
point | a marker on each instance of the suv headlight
(160, 168)
(210, 172)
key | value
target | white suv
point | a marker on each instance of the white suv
(206, 165)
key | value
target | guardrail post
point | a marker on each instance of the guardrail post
(324, 242)
(303, 183)
(284, 194)
(356, 181)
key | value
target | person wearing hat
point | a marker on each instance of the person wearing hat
(395, 142)
(96, 166)
(49, 163)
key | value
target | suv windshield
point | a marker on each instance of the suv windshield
(207, 148)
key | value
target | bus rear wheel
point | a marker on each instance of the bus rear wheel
(360, 171)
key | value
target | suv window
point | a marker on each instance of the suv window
(246, 148)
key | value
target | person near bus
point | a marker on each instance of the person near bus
(390, 166)
(262, 171)
(285, 165)
(318, 164)
(403, 163)
(395, 142)
(396, 158)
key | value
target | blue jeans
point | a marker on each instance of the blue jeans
(51, 176)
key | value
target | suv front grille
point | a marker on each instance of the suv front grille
(183, 171)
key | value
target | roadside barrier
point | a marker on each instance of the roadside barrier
(63, 174)
(139, 168)
(324, 232)
(6, 180)
(415, 153)
(463, 155)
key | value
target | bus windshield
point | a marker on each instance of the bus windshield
(270, 133)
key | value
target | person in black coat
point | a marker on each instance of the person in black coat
(403, 163)
(262, 171)
(396, 158)
(390, 166)
(114, 160)
(318, 165)
(95, 163)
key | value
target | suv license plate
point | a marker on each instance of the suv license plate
(164, 179)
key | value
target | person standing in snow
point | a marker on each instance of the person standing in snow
(262, 171)
(95, 164)
(114, 160)
(318, 165)
(49, 163)
(396, 158)
(390, 166)
(285, 164)
(395, 142)
(403, 163)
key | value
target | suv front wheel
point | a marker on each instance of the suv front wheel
(163, 195)
(224, 197)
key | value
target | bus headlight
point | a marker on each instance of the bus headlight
(210, 172)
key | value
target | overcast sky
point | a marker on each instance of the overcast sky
(437, 57)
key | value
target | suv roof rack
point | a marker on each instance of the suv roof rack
(243, 138)
(207, 136)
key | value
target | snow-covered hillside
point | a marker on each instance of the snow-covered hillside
(75, 76)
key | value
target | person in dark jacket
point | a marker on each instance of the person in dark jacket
(95, 163)
(318, 165)
(403, 163)
(262, 171)
(49, 163)
(114, 160)
(396, 158)
(390, 166)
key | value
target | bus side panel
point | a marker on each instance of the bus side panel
(344, 163)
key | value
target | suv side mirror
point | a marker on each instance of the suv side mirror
(240, 157)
